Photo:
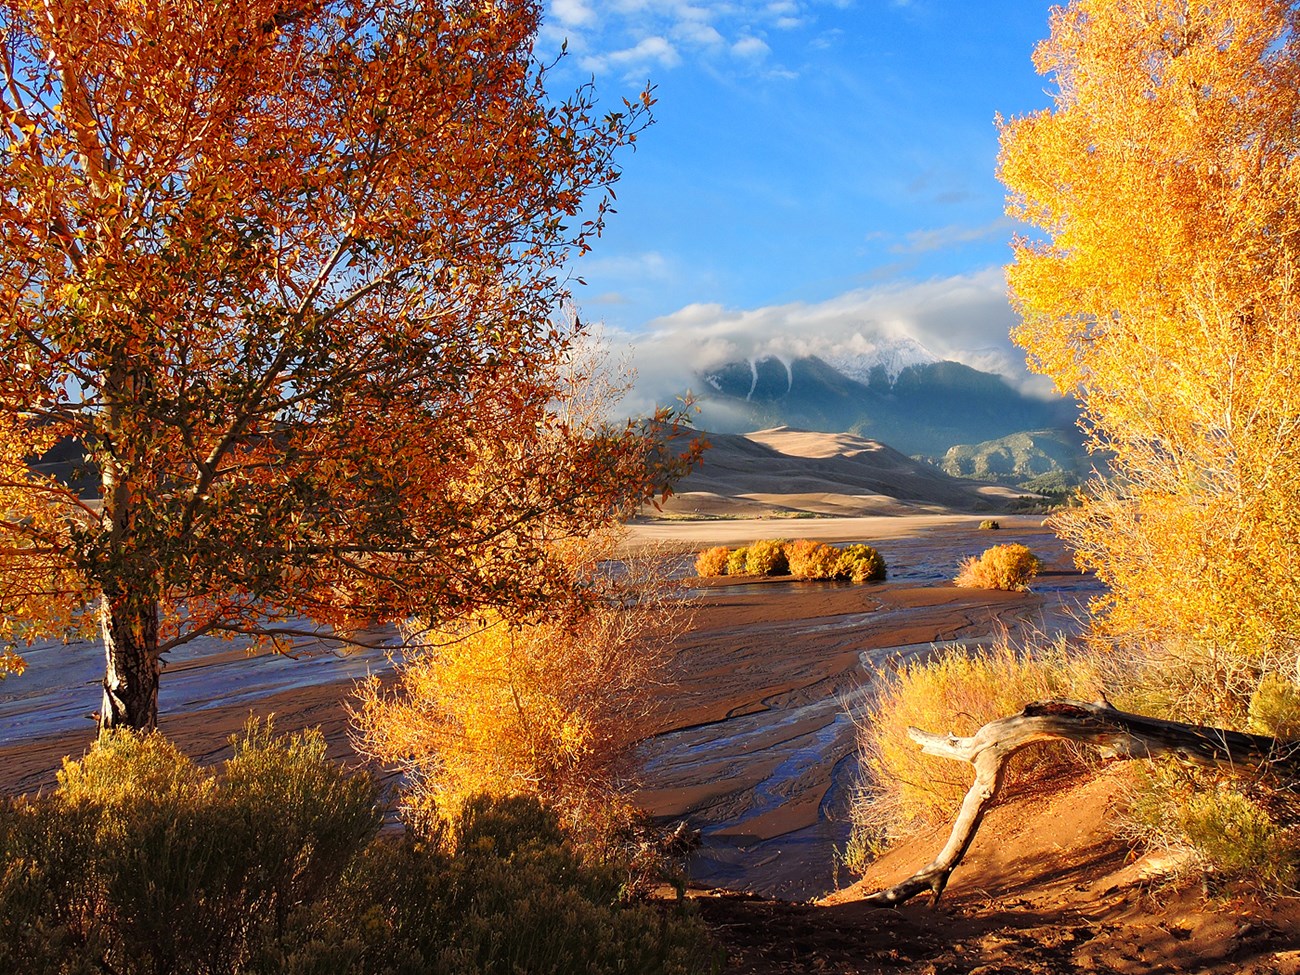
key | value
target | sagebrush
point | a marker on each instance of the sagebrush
(142, 863)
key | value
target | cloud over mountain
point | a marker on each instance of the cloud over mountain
(965, 319)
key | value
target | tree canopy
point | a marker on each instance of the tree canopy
(288, 275)
(1165, 294)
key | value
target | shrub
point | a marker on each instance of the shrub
(1275, 708)
(1228, 831)
(767, 558)
(813, 560)
(904, 790)
(988, 524)
(141, 861)
(546, 709)
(712, 562)
(1009, 567)
(504, 891)
(507, 892)
(738, 561)
(861, 563)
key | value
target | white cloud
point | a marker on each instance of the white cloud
(965, 318)
(751, 47)
(637, 60)
(942, 238)
(633, 34)
(573, 13)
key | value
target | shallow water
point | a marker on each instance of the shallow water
(799, 747)
(61, 689)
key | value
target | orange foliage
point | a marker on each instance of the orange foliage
(813, 560)
(1165, 294)
(288, 274)
(712, 562)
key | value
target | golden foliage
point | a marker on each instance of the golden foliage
(812, 560)
(861, 563)
(767, 557)
(1010, 567)
(738, 562)
(1165, 294)
(549, 708)
(905, 790)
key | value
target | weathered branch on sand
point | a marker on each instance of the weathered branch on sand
(1116, 733)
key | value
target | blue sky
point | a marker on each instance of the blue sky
(818, 170)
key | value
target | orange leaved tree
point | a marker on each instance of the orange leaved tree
(287, 274)
(1166, 294)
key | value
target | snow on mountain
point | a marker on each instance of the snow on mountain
(864, 356)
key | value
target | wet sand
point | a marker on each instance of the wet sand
(753, 745)
(756, 745)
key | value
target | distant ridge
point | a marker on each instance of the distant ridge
(923, 409)
(788, 471)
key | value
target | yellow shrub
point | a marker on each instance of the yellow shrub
(813, 560)
(767, 558)
(861, 563)
(737, 562)
(1009, 567)
(712, 562)
(988, 524)
(1275, 708)
(550, 710)
(904, 790)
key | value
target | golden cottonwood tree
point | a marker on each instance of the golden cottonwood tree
(288, 273)
(1165, 294)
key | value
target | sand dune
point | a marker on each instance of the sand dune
(787, 471)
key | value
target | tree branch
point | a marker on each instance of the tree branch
(1117, 734)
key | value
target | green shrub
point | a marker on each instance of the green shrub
(505, 891)
(988, 524)
(813, 560)
(737, 562)
(274, 866)
(712, 562)
(1275, 708)
(1228, 831)
(1008, 567)
(861, 563)
(767, 558)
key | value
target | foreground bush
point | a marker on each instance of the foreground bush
(141, 863)
(1225, 825)
(144, 862)
(1009, 567)
(904, 790)
(712, 562)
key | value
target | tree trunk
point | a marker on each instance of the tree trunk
(1117, 734)
(130, 628)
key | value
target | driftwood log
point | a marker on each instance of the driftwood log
(1116, 733)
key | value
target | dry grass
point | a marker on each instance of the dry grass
(904, 790)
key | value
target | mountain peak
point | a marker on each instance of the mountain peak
(863, 357)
